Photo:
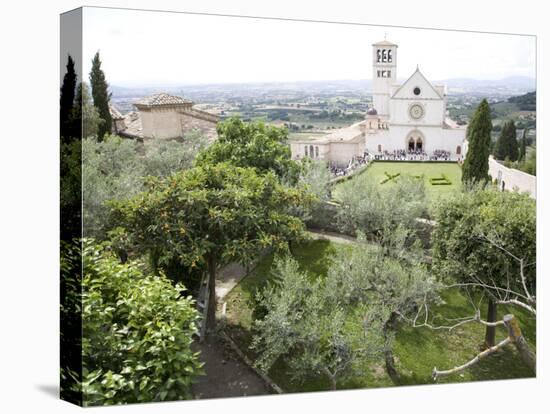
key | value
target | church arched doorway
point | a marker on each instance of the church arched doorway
(415, 142)
(419, 144)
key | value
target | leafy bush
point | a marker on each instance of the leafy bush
(252, 144)
(137, 333)
(389, 177)
(442, 180)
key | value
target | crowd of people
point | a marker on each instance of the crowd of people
(395, 155)
(355, 162)
(441, 155)
(402, 155)
(413, 155)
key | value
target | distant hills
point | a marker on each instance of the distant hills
(527, 102)
(515, 85)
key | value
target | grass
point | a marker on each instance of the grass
(379, 171)
(417, 350)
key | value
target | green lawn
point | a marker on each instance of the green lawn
(376, 173)
(417, 350)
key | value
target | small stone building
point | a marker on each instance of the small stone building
(164, 116)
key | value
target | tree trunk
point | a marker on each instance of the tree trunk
(333, 383)
(211, 313)
(514, 333)
(388, 352)
(290, 247)
(490, 332)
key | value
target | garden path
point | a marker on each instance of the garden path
(333, 237)
(226, 374)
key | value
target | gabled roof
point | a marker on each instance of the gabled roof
(417, 73)
(384, 43)
(115, 113)
(162, 99)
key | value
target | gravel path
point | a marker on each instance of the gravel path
(226, 374)
(334, 237)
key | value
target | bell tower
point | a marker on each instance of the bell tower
(384, 74)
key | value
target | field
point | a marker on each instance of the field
(417, 350)
(376, 172)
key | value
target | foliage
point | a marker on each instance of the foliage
(441, 180)
(110, 169)
(463, 222)
(70, 201)
(210, 215)
(315, 335)
(530, 164)
(476, 164)
(71, 321)
(115, 169)
(391, 286)
(417, 349)
(389, 177)
(101, 97)
(523, 146)
(336, 326)
(85, 117)
(163, 157)
(469, 226)
(506, 146)
(137, 333)
(252, 144)
(68, 89)
(378, 212)
(315, 178)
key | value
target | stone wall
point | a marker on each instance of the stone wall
(511, 179)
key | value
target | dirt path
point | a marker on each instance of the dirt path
(226, 374)
(227, 278)
(333, 237)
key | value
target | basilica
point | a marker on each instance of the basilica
(406, 121)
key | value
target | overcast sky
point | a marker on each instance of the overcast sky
(158, 48)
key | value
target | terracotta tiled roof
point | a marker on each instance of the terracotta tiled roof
(162, 99)
(115, 113)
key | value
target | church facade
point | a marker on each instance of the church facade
(409, 118)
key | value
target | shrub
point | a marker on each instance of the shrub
(137, 333)
(389, 177)
(442, 180)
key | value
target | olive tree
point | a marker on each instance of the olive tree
(378, 211)
(479, 235)
(115, 168)
(391, 286)
(334, 327)
(315, 336)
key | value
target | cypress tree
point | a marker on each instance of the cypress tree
(101, 97)
(67, 99)
(512, 142)
(523, 146)
(476, 164)
(501, 146)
